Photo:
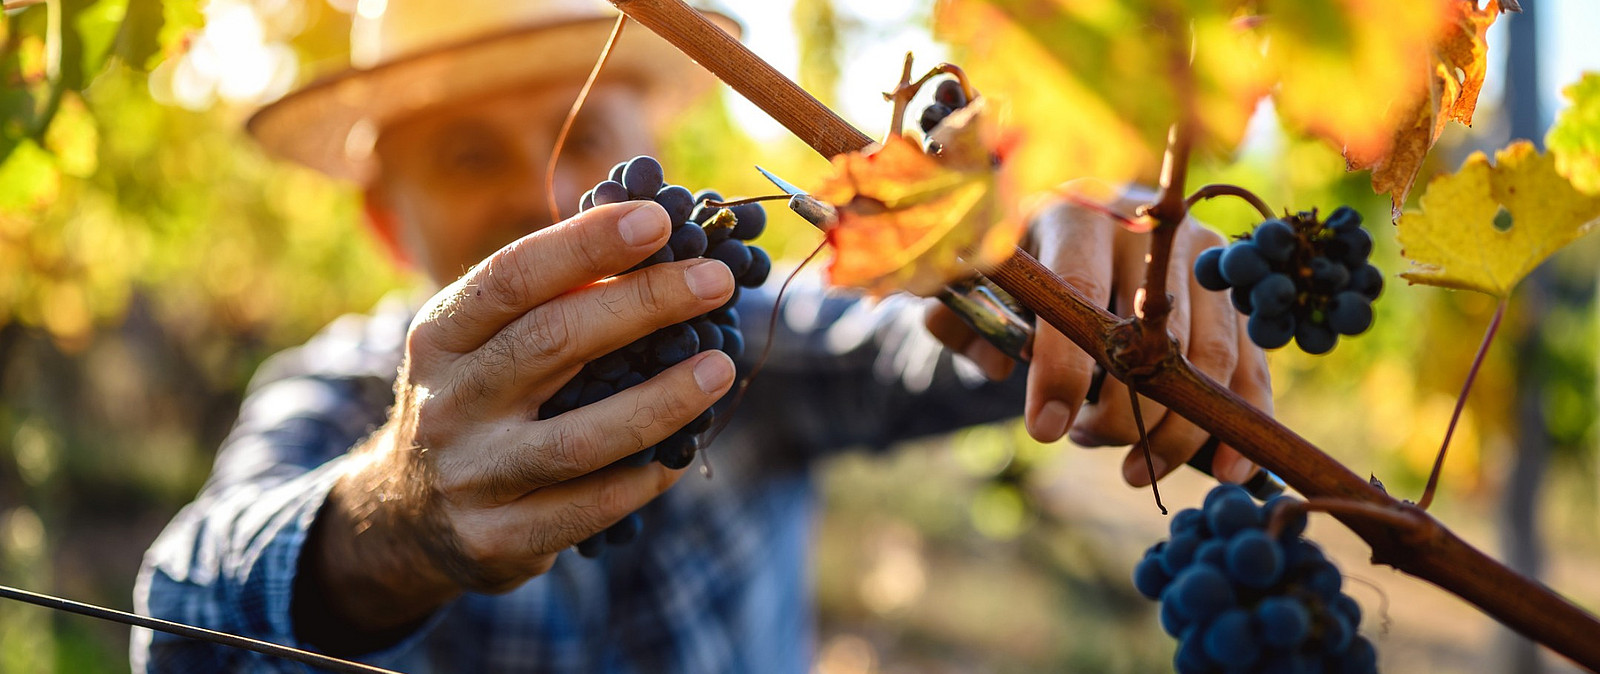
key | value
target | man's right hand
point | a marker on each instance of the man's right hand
(466, 488)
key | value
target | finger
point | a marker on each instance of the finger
(522, 360)
(946, 326)
(1252, 381)
(539, 454)
(1076, 243)
(530, 271)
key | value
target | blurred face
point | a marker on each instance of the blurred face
(458, 182)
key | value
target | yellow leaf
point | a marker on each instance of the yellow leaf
(1485, 227)
(907, 221)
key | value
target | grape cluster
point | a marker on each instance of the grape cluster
(1298, 278)
(699, 229)
(1241, 600)
(948, 97)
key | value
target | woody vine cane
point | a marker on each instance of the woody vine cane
(1139, 350)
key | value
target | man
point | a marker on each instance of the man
(438, 541)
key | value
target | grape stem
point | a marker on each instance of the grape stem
(1226, 190)
(1461, 403)
(1144, 443)
(1441, 557)
(1403, 518)
(572, 115)
(747, 200)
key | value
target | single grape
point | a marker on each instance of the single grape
(1357, 246)
(1213, 552)
(586, 202)
(1149, 578)
(1349, 313)
(701, 423)
(610, 192)
(1230, 641)
(616, 172)
(1270, 331)
(710, 336)
(1188, 519)
(1343, 217)
(642, 177)
(733, 253)
(1232, 514)
(677, 202)
(640, 458)
(1179, 552)
(1295, 525)
(1328, 276)
(732, 341)
(1336, 633)
(1284, 621)
(677, 450)
(1240, 295)
(1191, 656)
(564, 400)
(760, 268)
(1254, 559)
(1243, 264)
(752, 221)
(595, 391)
(1367, 280)
(625, 530)
(707, 195)
(1273, 295)
(1315, 338)
(687, 242)
(1359, 658)
(1325, 579)
(1208, 269)
(592, 546)
(727, 315)
(1171, 622)
(1276, 240)
(1200, 592)
(950, 94)
(932, 115)
(1347, 607)
(674, 344)
(609, 367)
(629, 380)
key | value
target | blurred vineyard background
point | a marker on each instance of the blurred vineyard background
(151, 258)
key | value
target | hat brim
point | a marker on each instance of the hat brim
(331, 124)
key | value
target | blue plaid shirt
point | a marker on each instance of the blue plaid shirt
(717, 582)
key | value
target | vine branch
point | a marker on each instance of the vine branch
(1225, 190)
(1431, 552)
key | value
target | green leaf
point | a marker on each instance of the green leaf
(1575, 137)
(96, 24)
(138, 41)
(1485, 227)
(28, 178)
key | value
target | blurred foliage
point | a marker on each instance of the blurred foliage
(151, 257)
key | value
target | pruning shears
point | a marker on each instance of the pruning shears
(996, 316)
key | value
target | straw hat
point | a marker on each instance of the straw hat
(408, 55)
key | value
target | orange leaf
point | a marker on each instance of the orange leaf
(1455, 76)
(908, 221)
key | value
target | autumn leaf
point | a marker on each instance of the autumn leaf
(1448, 90)
(1574, 139)
(1485, 227)
(907, 221)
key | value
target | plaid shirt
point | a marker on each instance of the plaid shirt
(717, 582)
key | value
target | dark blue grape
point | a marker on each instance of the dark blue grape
(1349, 313)
(1270, 331)
(710, 336)
(674, 344)
(727, 315)
(595, 391)
(610, 192)
(565, 398)
(1347, 607)
(733, 253)
(1357, 245)
(1179, 552)
(609, 367)
(629, 380)
(642, 177)
(1273, 295)
(701, 423)
(1254, 559)
(1284, 622)
(1213, 552)
(950, 94)
(662, 255)
(1359, 658)
(1171, 622)
(1230, 641)
(1188, 519)
(1367, 280)
(707, 195)
(616, 172)
(1243, 264)
(1325, 580)
(677, 202)
(733, 301)
(1301, 554)
(1200, 592)
(760, 268)
(1343, 217)
(677, 450)
(703, 214)
(732, 341)
(1231, 513)
(1191, 656)
(932, 115)
(1241, 299)
(592, 546)
(687, 242)
(1336, 633)
(752, 221)
(640, 458)
(1276, 240)
(1328, 276)
(1295, 525)
(1285, 663)
(625, 530)
(1149, 578)
(1315, 338)
(1208, 269)
(586, 202)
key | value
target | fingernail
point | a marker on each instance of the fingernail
(1240, 471)
(1051, 423)
(708, 280)
(713, 373)
(643, 225)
